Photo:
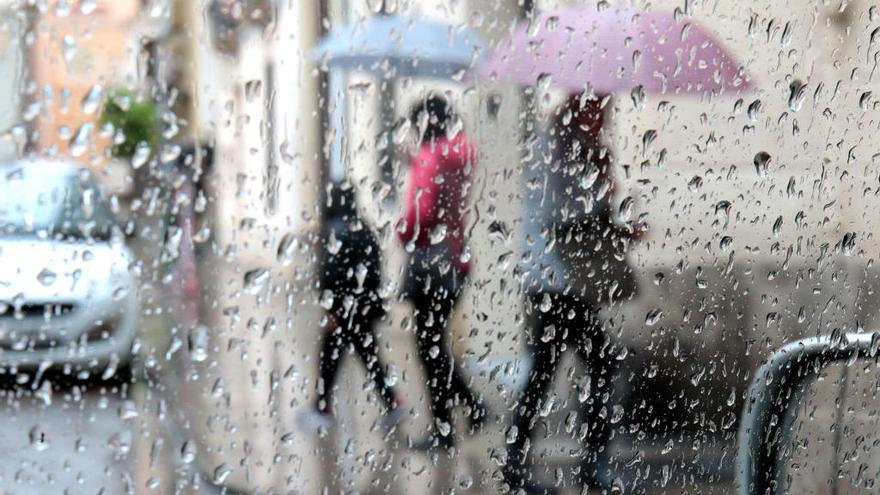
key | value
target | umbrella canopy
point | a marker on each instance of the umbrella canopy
(395, 46)
(609, 49)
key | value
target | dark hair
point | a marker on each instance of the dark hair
(439, 115)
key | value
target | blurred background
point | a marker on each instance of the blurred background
(211, 129)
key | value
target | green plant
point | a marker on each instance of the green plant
(137, 119)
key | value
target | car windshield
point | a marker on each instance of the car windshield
(60, 206)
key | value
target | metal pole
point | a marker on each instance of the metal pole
(773, 399)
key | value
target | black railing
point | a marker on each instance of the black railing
(773, 398)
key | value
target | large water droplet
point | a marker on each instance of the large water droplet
(221, 473)
(38, 438)
(47, 277)
(286, 248)
(638, 97)
(653, 316)
(254, 280)
(647, 140)
(753, 110)
(92, 99)
(253, 89)
(188, 452)
(79, 144)
(777, 226)
(141, 155)
(797, 91)
(68, 47)
(86, 7)
(327, 299)
(198, 339)
(762, 163)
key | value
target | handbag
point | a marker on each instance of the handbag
(594, 254)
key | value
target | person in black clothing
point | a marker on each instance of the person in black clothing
(574, 263)
(349, 283)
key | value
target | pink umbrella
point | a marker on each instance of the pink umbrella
(608, 49)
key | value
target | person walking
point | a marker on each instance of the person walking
(574, 262)
(432, 230)
(349, 280)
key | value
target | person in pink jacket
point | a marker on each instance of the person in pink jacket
(432, 229)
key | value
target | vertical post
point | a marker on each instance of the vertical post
(186, 19)
(387, 98)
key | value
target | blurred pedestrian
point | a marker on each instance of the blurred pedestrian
(349, 280)
(575, 262)
(432, 230)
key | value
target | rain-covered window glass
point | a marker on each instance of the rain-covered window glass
(438, 246)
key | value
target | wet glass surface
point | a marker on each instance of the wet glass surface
(419, 246)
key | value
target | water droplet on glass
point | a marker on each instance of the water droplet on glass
(626, 208)
(141, 155)
(722, 209)
(864, 100)
(617, 412)
(510, 436)
(38, 437)
(391, 375)
(443, 427)
(286, 249)
(198, 343)
(543, 81)
(777, 226)
(848, 244)
(188, 452)
(653, 316)
(46, 277)
(86, 7)
(725, 243)
(254, 280)
(127, 410)
(647, 140)
(221, 473)
(119, 293)
(79, 144)
(762, 163)
(437, 234)
(638, 97)
(92, 99)
(68, 47)
(327, 299)
(753, 110)
(797, 92)
(253, 89)
(504, 260)
(120, 442)
(546, 303)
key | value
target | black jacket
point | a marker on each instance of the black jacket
(350, 263)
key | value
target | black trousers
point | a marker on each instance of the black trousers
(568, 324)
(360, 336)
(434, 297)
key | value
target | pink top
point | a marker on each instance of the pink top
(436, 196)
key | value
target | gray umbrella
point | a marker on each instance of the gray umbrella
(394, 46)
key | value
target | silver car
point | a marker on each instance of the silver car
(67, 297)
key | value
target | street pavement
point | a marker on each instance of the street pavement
(73, 439)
